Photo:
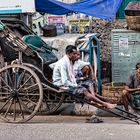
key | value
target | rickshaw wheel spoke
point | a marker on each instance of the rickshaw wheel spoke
(51, 102)
(21, 93)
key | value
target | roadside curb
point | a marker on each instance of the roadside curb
(83, 110)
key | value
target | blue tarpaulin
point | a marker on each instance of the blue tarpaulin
(105, 9)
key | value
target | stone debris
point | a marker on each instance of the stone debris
(103, 28)
(60, 42)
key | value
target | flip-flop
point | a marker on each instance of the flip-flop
(94, 120)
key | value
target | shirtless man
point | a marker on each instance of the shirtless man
(132, 86)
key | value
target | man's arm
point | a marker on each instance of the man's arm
(130, 84)
(132, 89)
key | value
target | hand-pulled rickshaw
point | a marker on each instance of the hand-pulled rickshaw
(25, 79)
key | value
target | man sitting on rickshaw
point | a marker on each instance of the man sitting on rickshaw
(63, 76)
(85, 76)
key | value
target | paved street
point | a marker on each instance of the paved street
(70, 128)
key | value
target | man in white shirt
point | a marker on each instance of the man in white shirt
(64, 76)
(63, 73)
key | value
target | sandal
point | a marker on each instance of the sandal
(94, 120)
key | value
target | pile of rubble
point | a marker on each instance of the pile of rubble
(103, 28)
(60, 42)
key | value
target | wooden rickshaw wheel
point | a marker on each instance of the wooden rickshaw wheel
(21, 93)
(52, 99)
(51, 102)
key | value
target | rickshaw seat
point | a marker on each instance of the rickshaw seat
(43, 49)
(36, 42)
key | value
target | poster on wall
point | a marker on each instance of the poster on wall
(124, 47)
(17, 6)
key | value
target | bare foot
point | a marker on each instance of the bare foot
(110, 106)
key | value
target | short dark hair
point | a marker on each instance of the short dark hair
(70, 49)
(138, 65)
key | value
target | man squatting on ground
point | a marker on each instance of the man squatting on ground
(132, 86)
(63, 76)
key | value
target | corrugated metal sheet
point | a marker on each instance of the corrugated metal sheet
(124, 57)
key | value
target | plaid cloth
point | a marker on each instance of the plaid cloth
(77, 91)
(86, 83)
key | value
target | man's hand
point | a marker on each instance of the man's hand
(83, 78)
(138, 88)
